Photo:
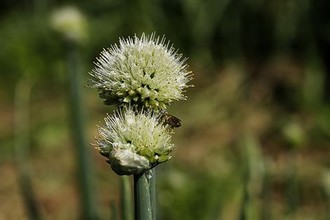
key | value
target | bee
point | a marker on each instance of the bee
(170, 120)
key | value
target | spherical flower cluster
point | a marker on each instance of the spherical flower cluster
(143, 71)
(69, 22)
(134, 141)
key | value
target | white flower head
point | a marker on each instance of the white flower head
(70, 22)
(134, 141)
(143, 71)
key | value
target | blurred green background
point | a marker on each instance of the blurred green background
(255, 137)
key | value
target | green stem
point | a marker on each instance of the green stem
(83, 154)
(153, 193)
(22, 99)
(292, 191)
(265, 195)
(114, 215)
(143, 210)
(246, 196)
(327, 206)
(126, 199)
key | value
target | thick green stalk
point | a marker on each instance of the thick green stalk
(143, 210)
(153, 199)
(77, 117)
(126, 198)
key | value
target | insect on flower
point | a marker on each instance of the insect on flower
(171, 120)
